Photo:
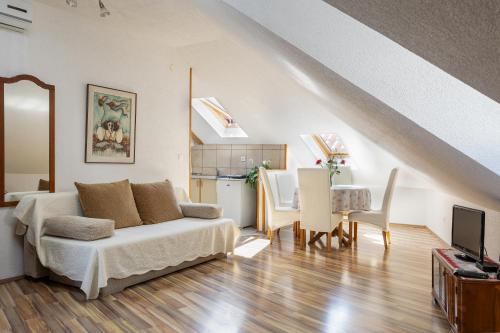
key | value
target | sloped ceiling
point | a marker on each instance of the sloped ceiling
(462, 37)
(279, 120)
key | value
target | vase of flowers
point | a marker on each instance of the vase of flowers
(333, 165)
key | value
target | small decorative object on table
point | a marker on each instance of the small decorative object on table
(333, 164)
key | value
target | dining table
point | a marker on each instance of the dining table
(345, 200)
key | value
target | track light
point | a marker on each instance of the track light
(103, 10)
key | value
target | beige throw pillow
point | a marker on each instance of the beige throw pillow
(156, 202)
(79, 227)
(113, 201)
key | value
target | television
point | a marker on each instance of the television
(467, 233)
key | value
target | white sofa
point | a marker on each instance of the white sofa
(132, 255)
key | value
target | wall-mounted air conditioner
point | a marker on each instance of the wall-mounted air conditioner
(15, 14)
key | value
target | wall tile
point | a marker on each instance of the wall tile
(209, 147)
(197, 158)
(224, 146)
(210, 171)
(196, 170)
(209, 158)
(224, 171)
(236, 158)
(238, 171)
(251, 147)
(223, 158)
(267, 147)
(254, 158)
(282, 159)
(239, 146)
(197, 147)
(273, 156)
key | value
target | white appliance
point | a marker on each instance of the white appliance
(15, 14)
(238, 201)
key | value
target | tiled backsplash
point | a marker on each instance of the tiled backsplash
(235, 159)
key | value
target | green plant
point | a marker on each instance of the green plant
(253, 175)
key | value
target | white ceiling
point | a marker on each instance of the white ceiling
(173, 22)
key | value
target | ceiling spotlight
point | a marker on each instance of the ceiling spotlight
(72, 3)
(103, 10)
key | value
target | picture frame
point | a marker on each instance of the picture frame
(110, 125)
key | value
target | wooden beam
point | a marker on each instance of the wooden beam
(190, 124)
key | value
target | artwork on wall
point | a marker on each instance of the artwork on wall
(110, 125)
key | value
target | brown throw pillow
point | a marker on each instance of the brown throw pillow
(43, 185)
(156, 202)
(113, 201)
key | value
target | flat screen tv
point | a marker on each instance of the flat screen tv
(467, 233)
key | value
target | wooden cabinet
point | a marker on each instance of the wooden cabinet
(203, 190)
(470, 305)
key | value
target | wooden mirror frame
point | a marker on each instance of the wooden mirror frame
(52, 98)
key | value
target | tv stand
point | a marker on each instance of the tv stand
(470, 305)
(464, 257)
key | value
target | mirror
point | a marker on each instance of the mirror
(27, 114)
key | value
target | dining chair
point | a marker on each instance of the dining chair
(380, 218)
(277, 216)
(316, 206)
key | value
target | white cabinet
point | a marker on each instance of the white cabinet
(238, 201)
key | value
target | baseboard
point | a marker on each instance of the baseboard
(15, 278)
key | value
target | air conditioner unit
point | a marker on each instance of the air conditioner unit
(15, 14)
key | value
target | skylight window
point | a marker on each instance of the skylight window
(214, 114)
(326, 145)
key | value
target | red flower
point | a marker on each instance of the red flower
(342, 162)
(318, 162)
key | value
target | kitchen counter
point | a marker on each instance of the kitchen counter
(228, 177)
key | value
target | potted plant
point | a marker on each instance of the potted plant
(253, 175)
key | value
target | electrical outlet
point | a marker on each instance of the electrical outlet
(243, 158)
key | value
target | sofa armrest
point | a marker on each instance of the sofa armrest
(201, 210)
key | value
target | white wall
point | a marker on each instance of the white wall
(440, 103)
(69, 50)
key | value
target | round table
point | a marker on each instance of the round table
(345, 199)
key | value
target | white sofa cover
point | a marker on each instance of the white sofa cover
(131, 251)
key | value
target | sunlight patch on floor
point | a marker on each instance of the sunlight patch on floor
(250, 249)
(375, 238)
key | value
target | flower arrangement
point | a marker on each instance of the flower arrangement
(253, 174)
(333, 165)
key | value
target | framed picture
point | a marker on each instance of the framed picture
(110, 125)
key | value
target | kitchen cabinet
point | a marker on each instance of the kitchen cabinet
(203, 190)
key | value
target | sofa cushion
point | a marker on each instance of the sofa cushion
(201, 210)
(79, 227)
(156, 202)
(43, 185)
(113, 201)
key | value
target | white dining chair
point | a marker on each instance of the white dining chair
(277, 216)
(316, 206)
(380, 218)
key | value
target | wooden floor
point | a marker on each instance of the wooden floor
(279, 289)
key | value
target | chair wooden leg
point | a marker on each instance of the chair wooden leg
(340, 234)
(278, 232)
(270, 235)
(311, 234)
(384, 236)
(389, 237)
(351, 232)
(329, 241)
(355, 237)
(303, 234)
